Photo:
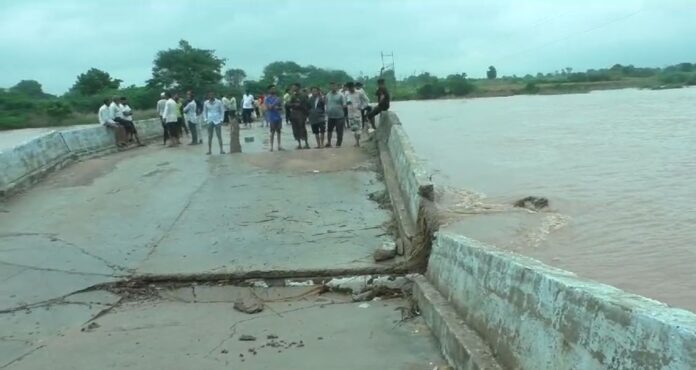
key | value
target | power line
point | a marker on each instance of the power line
(583, 32)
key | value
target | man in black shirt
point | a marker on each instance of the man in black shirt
(299, 109)
(382, 101)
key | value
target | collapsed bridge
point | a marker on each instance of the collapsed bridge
(138, 258)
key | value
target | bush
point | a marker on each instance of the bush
(431, 91)
(58, 110)
(674, 78)
(578, 77)
(11, 121)
(460, 86)
(598, 76)
(530, 88)
(691, 81)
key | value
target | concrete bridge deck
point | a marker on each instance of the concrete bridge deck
(137, 259)
(175, 214)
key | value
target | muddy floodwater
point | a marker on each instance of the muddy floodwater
(618, 167)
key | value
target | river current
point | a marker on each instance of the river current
(618, 167)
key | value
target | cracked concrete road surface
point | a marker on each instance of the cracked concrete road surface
(163, 212)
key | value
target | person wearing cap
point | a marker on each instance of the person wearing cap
(160, 112)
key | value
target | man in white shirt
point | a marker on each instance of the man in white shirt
(247, 107)
(128, 125)
(213, 114)
(171, 119)
(191, 115)
(226, 107)
(160, 113)
(117, 115)
(107, 121)
(364, 109)
(354, 102)
(233, 108)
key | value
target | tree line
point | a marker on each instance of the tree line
(186, 68)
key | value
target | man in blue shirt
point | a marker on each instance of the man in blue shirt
(274, 107)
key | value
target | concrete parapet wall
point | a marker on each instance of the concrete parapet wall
(88, 140)
(537, 317)
(411, 174)
(96, 138)
(410, 191)
(149, 128)
(23, 164)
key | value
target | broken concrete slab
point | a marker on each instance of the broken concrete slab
(34, 287)
(28, 330)
(305, 333)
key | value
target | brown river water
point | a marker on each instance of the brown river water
(618, 167)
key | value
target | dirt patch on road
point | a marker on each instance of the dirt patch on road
(309, 160)
(84, 173)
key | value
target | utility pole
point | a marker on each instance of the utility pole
(388, 65)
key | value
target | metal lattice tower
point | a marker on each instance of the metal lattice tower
(387, 63)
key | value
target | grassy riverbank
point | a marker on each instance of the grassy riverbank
(427, 87)
(25, 105)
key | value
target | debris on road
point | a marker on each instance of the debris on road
(385, 251)
(250, 305)
(91, 327)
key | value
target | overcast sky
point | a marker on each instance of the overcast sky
(53, 41)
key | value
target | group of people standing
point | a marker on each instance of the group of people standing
(178, 117)
(325, 113)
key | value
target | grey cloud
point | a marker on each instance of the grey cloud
(53, 41)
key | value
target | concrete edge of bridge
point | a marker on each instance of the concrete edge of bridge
(460, 345)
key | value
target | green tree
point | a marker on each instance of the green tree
(256, 88)
(685, 67)
(314, 76)
(282, 73)
(29, 88)
(58, 110)
(94, 81)
(458, 85)
(234, 77)
(492, 73)
(285, 73)
(186, 68)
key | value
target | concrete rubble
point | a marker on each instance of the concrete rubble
(385, 252)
